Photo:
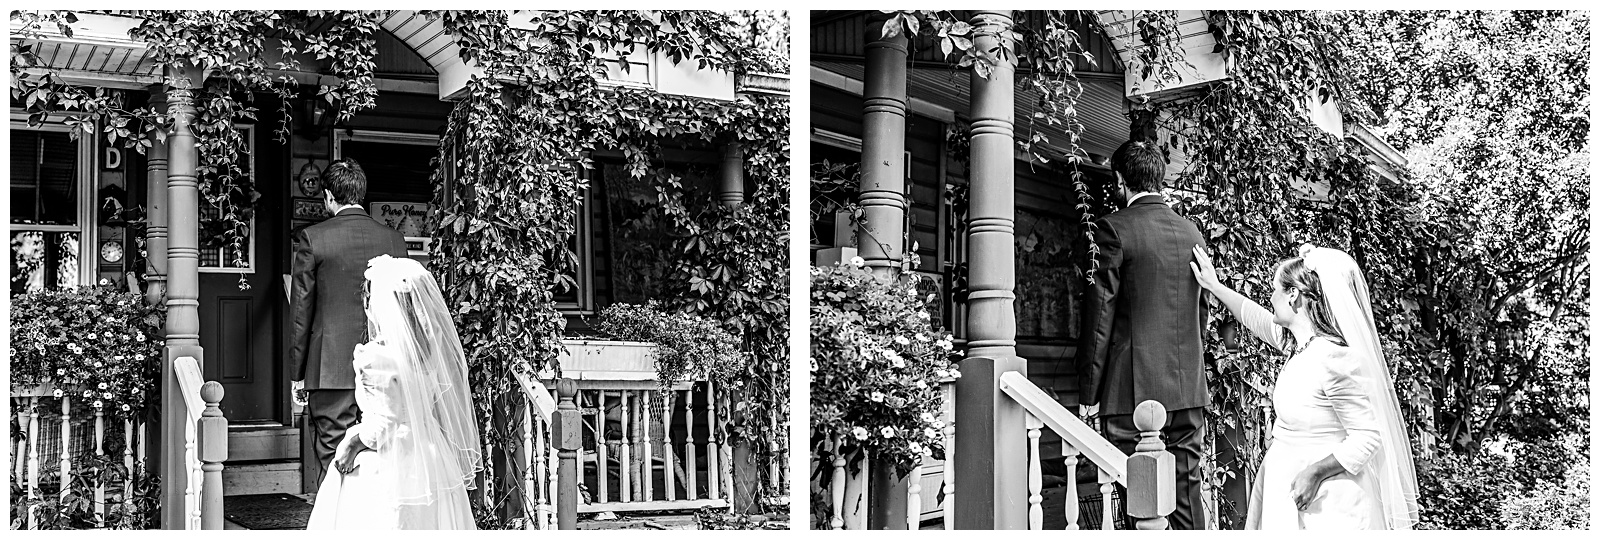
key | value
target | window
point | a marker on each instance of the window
(52, 207)
(215, 257)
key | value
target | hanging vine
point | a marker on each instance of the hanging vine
(521, 136)
(235, 54)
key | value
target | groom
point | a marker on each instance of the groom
(1142, 319)
(326, 312)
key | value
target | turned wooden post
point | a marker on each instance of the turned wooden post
(182, 291)
(156, 203)
(569, 438)
(881, 233)
(1152, 473)
(213, 432)
(991, 463)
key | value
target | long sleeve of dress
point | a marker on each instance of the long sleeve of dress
(1259, 321)
(375, 381)
(1351, 402)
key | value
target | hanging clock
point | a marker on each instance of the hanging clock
(111, 252)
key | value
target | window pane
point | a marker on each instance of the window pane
(44, 179)
(41, 258)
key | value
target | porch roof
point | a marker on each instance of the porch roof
(943, 92)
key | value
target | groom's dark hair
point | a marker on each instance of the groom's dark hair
(346, 181)
(1140, 164)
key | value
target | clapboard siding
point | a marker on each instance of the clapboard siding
(836, 34)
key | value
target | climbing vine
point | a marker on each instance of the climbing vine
(510, 179)
(235, 54)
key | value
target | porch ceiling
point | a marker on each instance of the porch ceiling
(1100, 108)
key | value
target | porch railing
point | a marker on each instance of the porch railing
(633, 446)
(1148, 474)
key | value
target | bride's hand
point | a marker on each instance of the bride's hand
(1204, 272)
(1305, 487)
(344, 457)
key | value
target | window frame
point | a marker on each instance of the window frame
(88, 173)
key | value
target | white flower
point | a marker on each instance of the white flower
(941, 373)
(138, 356)
(902, 340)
(955, 374)
(102, 386)
(918, 383)
(858, 262)
(124, 406)
(97, 404)
(945, 344)
(118, 358)
(876, 397)
(106, 395)
(98, 364)
(922, 337)
(61, 371)
(58, 393)
(888, 432)
(922, 315)
(930, 432)
(915, 447)
(93, 335)
(938, 424)
(859, 432)
(139, 337)
(927, 417)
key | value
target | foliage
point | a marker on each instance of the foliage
(1459, 491)
(75, 509)
(233, 54)
(96, 344)
(508, 186)
(1551, 505)
(876, 369)
(687, 347)
(720, 519)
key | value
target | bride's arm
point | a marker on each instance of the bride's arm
(374, 376)
(1351, 403)
(1254, 317)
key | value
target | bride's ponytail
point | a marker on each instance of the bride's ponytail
(1293, 274)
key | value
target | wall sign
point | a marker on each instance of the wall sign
(406, 217)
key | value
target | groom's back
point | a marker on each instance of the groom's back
(1155, 349)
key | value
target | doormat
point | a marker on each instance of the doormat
(268, 511)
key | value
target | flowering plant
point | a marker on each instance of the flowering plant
(687, 346)
(94, 344)
(876, 366)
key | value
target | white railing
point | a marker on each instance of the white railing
(77, 439)
(1149, 500)
(205, 446)
(1148, 474)
(637, 448)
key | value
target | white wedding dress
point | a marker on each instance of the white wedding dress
(1322, 409)
(367, 497)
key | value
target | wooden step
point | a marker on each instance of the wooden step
(261, 443)
(259, 478)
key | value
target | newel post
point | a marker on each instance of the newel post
(1152, 477)
(569, 438)
(213, 439)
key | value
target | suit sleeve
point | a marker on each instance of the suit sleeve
(302, 297)
(1099, 310)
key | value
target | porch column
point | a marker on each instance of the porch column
(183, 289)
(156, 202)
(730, 185)
(991, 457)
(881, 234)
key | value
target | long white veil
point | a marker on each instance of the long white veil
(1345, 290)
(435, 447)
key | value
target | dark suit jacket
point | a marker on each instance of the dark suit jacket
(1143, 316)
(327, 317)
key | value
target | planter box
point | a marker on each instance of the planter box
(47, 389)
(600, 360)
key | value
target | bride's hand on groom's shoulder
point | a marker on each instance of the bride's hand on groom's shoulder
(1204, 271)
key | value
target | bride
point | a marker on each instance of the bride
(1339, 456)
(409, 462)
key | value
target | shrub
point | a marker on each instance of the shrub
(1461, 491)
(687, 347)
(876, 367)
(97, 344)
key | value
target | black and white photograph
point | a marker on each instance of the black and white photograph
(399, 269)
(1199, 269)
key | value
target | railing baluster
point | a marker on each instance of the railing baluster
(857, 488)
(627, 449)
(602, 452)
(1108, 488)
(914, 497)
(99, 454)
(727, 446)
(128, 438)
(66, 446)
(33, 462)
(551, 475)
(191, 461)
(949, 472)
(692, 480)
(713, 454)
(1035, 474)
(541, 487)
(836, 486)
(1071, 459)
(666, 450)
(529, 480)
(647, 456)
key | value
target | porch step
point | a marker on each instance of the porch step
(261, 478)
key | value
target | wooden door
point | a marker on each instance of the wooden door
(242, 308)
